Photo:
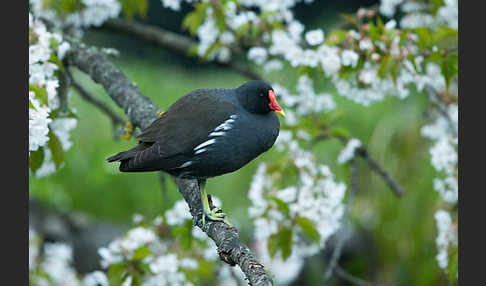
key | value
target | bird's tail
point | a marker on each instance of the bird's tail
(133, 160)
(121, 156)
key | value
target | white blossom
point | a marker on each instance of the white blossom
(314, 37)
(365, 44)
(61, 128)
(273, 65)
(349, 58)
(445, 237)
(38, 124)
(257, 55)
(56, 264)
(189, 263)
(95, 278)
(178, 214)
(348, 152)
(172, 4)
(127, 281)
(388, 7)
(391, 24)
(367, 76)
(329, 59)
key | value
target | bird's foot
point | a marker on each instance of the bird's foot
(215, 214)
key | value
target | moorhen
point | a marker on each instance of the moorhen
(207, 133)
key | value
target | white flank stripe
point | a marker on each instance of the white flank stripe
(217, 134)
(223, 126)
(200, 151)
(188, 163)
(204, 144)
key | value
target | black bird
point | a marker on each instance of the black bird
(207, 133)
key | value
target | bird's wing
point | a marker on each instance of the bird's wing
(188, 122)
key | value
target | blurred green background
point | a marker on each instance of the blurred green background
(401, 232)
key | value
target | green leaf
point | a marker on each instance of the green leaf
(116, 273)
(452, 267)
(336, 37)
(424, 37)
(272, 244)
(308, 228)
(403, 37)
(350, 18)
(374, 31)
(449, 68)
(53, 44)
(411, 58)
(40, 93)
(220, 19)
(142, 7)
(36, 158)
(214, 47)
(436, 5)
(242, 30)
(141, 253)
(285, 242)
(194, 19)
(281, 205)
(282, 240)
(385, 66)
(131, 8)
(340, 132)
(444, 33)
(56, 148)
(184, 234)
(55, 60)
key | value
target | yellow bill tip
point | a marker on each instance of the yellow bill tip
(280, 112)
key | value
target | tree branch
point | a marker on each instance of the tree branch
(350, 278)
(142, 111)
(397, 189)
(117, 120)
(169, 40)
(441, 108)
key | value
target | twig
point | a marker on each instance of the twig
(397, 189)
(363, 153)
(340, 242)
(117, 120)
(169, 40)
(64, 83)
(441, 108)
(350, 278)
(141, 111)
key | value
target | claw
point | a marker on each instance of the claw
(215, 214)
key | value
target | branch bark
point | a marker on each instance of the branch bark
(396, 188)
(170, 40)
(141, 111)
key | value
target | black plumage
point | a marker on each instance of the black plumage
(207, 133)
(247, 128)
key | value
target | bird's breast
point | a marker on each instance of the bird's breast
(232, 144)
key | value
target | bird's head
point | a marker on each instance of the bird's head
(258, 97)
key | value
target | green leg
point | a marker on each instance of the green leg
(213, 214)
